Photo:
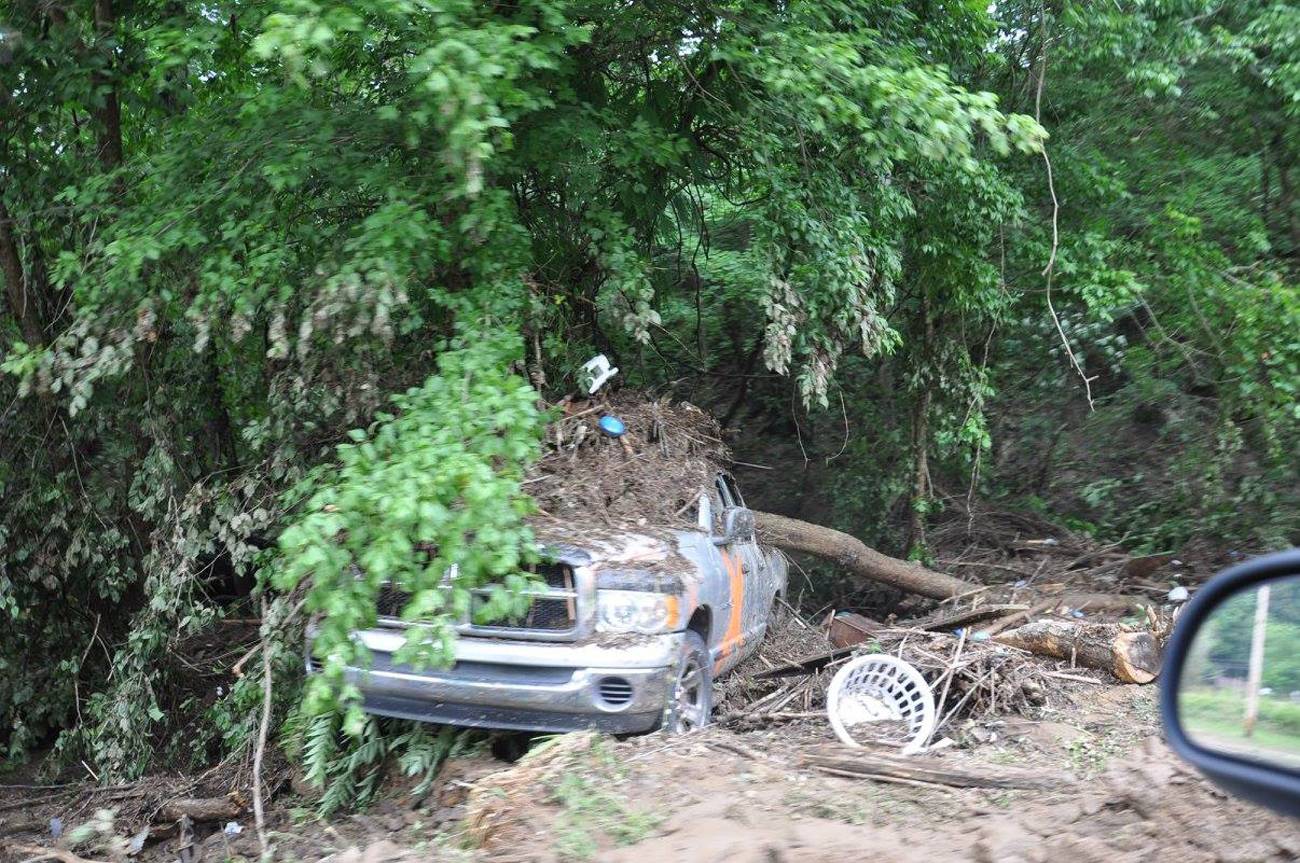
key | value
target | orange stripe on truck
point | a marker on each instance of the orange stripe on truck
(736, 572)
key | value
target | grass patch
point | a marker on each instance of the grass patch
(591, 808)
(1226, 708)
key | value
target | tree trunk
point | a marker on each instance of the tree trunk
(917, 506)
(1133, 657)
(109, 112)
(920, 472)
(202, 809)
(854, 555)
(24, 303)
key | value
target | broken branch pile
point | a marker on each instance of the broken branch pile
(748, 697)
(1022, 671)
(651, 474)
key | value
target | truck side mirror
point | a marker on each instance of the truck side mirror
(704, 514)
(737, 526)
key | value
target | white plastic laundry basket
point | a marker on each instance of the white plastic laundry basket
(881, 698)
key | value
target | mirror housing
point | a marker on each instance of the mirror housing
(1256, 779)
(737, 526)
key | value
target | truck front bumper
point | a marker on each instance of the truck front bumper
(616, 685)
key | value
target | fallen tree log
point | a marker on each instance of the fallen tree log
(202, 809)
(1133, 657)
(856, 557)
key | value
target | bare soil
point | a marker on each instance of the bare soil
(1117, 794)
(1122, 795)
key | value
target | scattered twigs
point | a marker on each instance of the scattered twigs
(947, 683)
(1024, 616)
(954, 620)
(1078, 678)
(30, 801)
(238, 668)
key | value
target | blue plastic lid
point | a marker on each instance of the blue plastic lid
(612, 426)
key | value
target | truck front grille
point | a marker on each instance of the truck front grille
(552, 614)
(391, 600)
(549, 615)
(553, 611)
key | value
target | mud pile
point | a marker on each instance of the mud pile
(650, 474)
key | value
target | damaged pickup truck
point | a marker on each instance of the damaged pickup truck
(628, 635)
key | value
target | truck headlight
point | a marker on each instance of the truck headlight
(634, 611)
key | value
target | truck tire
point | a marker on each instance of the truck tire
(690, 701)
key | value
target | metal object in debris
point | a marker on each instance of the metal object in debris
(876, 689)
(595, 372)
(612, 426)
(848, 629)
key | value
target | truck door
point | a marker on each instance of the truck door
(751, 593)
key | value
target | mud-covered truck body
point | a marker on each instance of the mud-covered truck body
(628, 634)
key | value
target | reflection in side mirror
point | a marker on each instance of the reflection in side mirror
(1239, 691)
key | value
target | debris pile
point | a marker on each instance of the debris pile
(648, 467)
(972, 675)
(751, 697)
(1021, 553)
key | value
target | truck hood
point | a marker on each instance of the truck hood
(589, 545)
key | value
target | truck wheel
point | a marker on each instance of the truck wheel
(690, 703)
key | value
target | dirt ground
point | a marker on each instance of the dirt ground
(1117, 794)
(1114, 793)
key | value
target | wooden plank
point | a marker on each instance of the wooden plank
(843, 760)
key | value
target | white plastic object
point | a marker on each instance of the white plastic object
(881, 688)
(596, 371)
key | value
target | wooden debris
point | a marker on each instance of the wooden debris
(859, 763)
(1133, 657)
(847, 629)
(202, 809)
(941, 622)
(39, 853)
(806, 665)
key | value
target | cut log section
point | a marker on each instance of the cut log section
(1133, 657)
(855, 556)
(202, 809)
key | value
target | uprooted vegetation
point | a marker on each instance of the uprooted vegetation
(651, 475)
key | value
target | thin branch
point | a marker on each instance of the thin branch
(1056, 211)
(258, 814)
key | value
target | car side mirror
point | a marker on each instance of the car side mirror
(1230, 692)
(737, 525)
(704, 514)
